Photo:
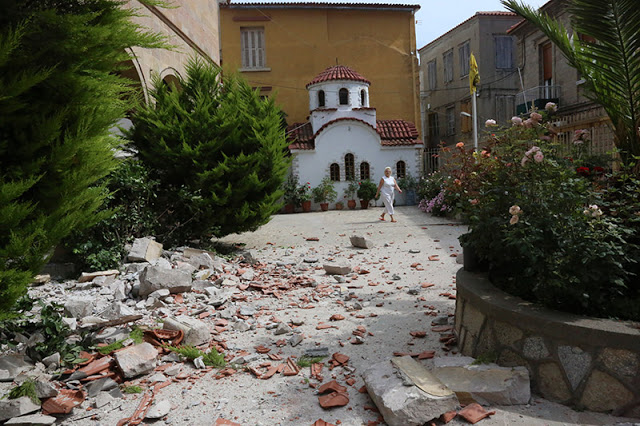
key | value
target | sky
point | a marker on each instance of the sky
(436, 17)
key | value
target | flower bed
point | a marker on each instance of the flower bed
(546, 230)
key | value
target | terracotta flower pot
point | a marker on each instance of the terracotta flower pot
(289, 208)
(364, 204)
(306, 206)
(339, 206)
(324, 206)
(351, 204)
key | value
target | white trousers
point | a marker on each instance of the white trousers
(387, 199)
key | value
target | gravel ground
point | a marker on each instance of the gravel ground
(388, 307)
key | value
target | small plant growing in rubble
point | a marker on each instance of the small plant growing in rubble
(132, 389)
(28, 388)
(212, 358)
(306, 361)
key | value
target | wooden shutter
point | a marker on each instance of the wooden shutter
(547, 62)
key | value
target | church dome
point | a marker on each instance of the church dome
(338, 72)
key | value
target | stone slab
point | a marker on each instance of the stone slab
(486, 384)
(402, 405)
(10, 408)
(337, 268)
(136, 360)
(144, 250)
(196, 332)
(32, 420)
(361, 242)
(154, 278)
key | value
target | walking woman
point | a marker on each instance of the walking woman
(387, 187)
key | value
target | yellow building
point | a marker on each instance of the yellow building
(281, 47)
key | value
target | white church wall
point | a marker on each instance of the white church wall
(345, 137)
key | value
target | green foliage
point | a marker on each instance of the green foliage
(217, 149)
(408, 183)
(53, 329)
(290, 188)
(430, 185)
(485, 358)
(540, 227)
(106, 350)
(609, 65)
(352, 189)
(130, 194)
(60, 93)
(366, 190)
(307, 361)
(304, 192)
(324, 192)
(212, 358)
(132, 389)
(27, 388)
(137, 335)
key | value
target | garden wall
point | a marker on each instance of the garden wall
(585, 362)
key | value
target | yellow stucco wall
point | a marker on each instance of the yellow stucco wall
(300, 43)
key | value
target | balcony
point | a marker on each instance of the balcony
(538, 97)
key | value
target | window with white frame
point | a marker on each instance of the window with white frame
(432, 74)
(464, 54)
(451, 120)
(447, 59)
(253, 51)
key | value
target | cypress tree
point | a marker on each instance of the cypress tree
(60, 93)
(217, 148)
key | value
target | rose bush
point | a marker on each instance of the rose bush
(545, 231)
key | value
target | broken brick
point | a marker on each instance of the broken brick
(335, 399)
(332, 386)
(473, 413)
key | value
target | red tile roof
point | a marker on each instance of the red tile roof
(318, 5)
(397, 132)
(392, 133)
(301, 135)
(490, 13)
(338, 72)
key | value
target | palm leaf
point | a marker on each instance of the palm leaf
(610, 66)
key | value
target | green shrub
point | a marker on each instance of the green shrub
(541, 227)
(324, 192)
(218, 150)
(60, 93)
(366, 190)
(430, 186)
(130, 194)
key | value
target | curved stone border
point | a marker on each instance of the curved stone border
(585, 362)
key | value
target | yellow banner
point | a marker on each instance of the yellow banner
(474, 76)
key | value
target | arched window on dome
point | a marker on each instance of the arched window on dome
(401, 170)
(349, 167)
(321, 99)
(334, 172)
(363, 98)
(364, 171)
(344, 96)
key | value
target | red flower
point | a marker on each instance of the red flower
(598, 170)
(584, 171)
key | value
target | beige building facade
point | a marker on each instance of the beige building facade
(191, 27)
(445, 96)
(547, 77)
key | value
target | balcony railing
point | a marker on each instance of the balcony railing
(538, 97)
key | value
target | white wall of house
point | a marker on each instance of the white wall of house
(359, 139)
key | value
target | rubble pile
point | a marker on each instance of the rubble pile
(177, 317)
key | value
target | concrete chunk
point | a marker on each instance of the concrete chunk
(486, 384)
(196, 332)
(32, 420)
(159, 410)
(337, 268)
(13, 364)
(144, 250)
(79, 307)
(89, 276)
(10, 408)
(361, 242)
(136, 360)
(154, 278)
(403, 405)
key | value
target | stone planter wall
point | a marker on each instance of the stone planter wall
(588, 363)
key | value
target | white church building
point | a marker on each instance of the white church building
(343, 138)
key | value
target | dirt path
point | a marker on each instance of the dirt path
(390, 301)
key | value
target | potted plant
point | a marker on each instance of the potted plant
(291, 199)
(324, 193)
(304, 195)
(339, 205)
(366, 192)
(408, 184)
(351, 194)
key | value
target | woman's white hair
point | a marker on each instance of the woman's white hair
(387, 168)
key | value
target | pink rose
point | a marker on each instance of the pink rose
(538, 157)
(517, 121)
(535, 117)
